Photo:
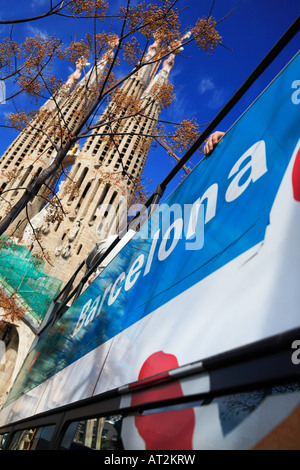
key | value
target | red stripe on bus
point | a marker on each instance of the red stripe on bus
(296, 177)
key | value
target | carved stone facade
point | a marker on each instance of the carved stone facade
(104, 173)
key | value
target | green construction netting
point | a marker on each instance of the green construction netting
(20, 273)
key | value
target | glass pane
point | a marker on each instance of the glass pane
(32, 439)
(233, 421)
(94, 434)
(3, 438)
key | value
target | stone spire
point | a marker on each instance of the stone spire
(32, 151)
(163, 75)
(96, 72)
(152, 54)
(105, 174)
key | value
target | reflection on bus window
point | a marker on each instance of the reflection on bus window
(3, 438)
(232, 421)
(94, 434)
(32, 439)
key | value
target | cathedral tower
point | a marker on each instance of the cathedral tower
(105, 169)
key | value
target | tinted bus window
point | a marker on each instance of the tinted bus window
(32, 439)
(94, 434)
(233, 421)
(3, 438)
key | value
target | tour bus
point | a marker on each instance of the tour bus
(189, 338)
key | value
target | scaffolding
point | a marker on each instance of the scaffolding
(23, 275)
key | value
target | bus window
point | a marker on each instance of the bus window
(94, 434)
(32, 439)
(3, 438)
(232, 421)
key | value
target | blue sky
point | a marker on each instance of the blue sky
(203, 82)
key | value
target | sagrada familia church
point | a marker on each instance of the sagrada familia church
(105, 174)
